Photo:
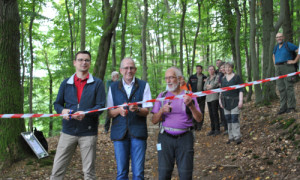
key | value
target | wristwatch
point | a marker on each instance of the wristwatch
(138, 109)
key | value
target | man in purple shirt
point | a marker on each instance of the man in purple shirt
(175, 140)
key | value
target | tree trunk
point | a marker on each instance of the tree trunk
(246, 37)
(50, 94)
(268, 42)
(183, 3)
(187, 53)
(171, 39)
(113, 51)
(237, 39)
(230, 28)
(10, 87)
(287, 23)
(207, 54)
(83, 25)
(196, 36)
(258, 29)
(22, 50)
(254, 60)
(111, 19)
(144, 41)
(32, 17)
(124, 25)
(71, 32)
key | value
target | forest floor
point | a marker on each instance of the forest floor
(270, 150)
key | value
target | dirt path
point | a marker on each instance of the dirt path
(270, 150)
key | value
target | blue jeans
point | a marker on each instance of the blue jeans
(134, 148)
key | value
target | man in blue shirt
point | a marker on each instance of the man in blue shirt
(282, 53)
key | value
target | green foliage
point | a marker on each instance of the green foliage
(213, 42)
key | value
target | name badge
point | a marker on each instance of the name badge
(158, 147)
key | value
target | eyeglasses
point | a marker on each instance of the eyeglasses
(129, 68)
(170, 78)
(279, 37)
(85, 60)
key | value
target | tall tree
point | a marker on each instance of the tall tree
(111, 19)
(144, 39)
(32, 17)
(71, 31)
(183, 4)
(124, 25)
(169, 25)
(83, 25)
(254, 60)
(10, 87)
(269, 32)
(113, 51)
(196, 36)
(237, 38)
(228, 20)
(287, 23)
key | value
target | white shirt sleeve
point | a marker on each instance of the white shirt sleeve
(109, 100)
(147, 96)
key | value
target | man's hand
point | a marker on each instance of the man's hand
(188, 101)
(123, 112)
(166, 108)
(78, 116)
(291, 62)
(133, 108)
(67, 113)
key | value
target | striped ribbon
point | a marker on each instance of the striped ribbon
(196, 94)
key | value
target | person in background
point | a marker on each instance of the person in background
(218, 64)
(129, 124)
(81, 92)
(197, 83)
(232, 102)
(221, 110)
(114, 77)
(175, 140)
(282, 53)
(212, 82)
(184, 85)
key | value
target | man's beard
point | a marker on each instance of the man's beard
(173, 88)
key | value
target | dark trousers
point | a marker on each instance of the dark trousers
(107, 124)
(222, 117)
(214, 115)
(180, 149)
(201, 102)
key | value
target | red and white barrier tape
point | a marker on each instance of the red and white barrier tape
(196, 94)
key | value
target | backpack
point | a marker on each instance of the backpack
(40, 136)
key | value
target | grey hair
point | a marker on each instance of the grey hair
(177, 71)
(127, 58)
(114, 73)
(230, 64)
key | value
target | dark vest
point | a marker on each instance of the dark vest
(135, 125)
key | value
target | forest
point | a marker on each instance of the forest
(39, 38)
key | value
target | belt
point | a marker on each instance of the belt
(177, 129)
(282, 63)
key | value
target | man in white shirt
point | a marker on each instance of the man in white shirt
(129, 124)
